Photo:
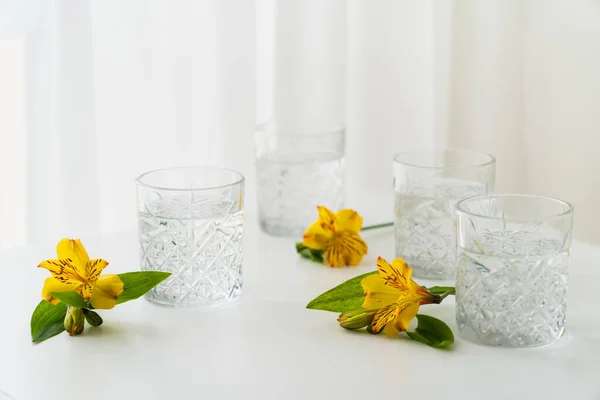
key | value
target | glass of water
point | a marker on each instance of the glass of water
(513, 261)
(191, 224)
(427, 185)
(298, 167)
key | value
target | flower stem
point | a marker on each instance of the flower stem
(384, 225)
(448, 293)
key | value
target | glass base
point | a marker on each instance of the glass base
(200, 305)
(501, 339)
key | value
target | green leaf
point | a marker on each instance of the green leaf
(311, 254)
(136, 284)
(347, 296)
(72, 299)
(432, 331)
(47, 320)
(442, 290)
(92, 317)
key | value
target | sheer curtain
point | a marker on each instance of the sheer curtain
(116, 88)
(95, 92)
(525, 85)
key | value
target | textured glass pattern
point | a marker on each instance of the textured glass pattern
(190, 223)
(428, 183)
(512, 274)
(513, 293)
(291, 186)
(425, 228)
(198, 240)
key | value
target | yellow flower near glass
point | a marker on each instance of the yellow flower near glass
(387, 300)
(394, 295)
(77, 287)
(74, 271)
(334, 238)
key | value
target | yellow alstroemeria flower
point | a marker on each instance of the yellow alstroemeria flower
(395, 295)
(337, 235)
(74, 271)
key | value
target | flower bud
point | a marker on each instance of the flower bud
(74, 321)
(356, 319)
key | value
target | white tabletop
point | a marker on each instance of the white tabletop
(270, 346)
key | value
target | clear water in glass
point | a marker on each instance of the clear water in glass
(198, 240)
(425, 227)
(291, 186)
(514, 294)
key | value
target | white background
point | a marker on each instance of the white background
(93, 93)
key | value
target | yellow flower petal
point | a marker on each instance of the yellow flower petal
(377, 293)
(64, 271)
(93, 270)
(73, 250)
(316, 237)
(348, 219)
(326, 216)
(384, 316)
(345, 248)
(396, 317)
(53, 285)
(390, 329)
(106, 291)
(405, 316)
(393, 292)
(397, 275)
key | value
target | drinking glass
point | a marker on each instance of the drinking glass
(191, 224)
(298, 167)
(427, 185)
(513, 261)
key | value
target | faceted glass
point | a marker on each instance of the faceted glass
(298, 167)
(427, 185)
(191, 224)
(513, 261)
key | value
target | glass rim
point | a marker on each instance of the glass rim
(337, 128)
(490, 158)
(239, 179)
(459, 207)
